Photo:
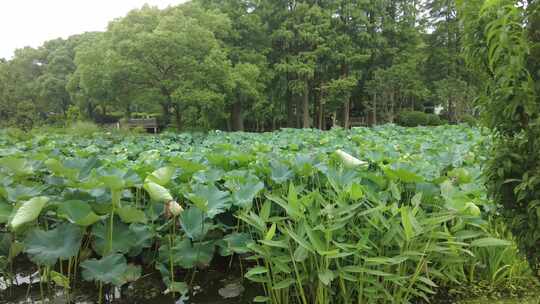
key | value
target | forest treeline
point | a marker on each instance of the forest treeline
(249, 65)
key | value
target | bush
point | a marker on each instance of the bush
(73, 113)
(412, 119)
(468, 119)
(15, 133)
(83, 128)
(433, 120)
(109, 118)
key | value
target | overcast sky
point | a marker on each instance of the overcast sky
(32, 22)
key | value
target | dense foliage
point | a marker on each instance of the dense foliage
(378, 215)
(503, 42)
(254, 65)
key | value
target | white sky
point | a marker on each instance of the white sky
(32, 22)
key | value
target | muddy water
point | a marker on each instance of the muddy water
(217, 284)
(148, 290)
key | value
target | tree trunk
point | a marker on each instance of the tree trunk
(290, 107)
(346, 112)
(320, 113)
(347, 102)
(375, 109)
(128, 110)
(166, 106)
(90, 109)
(451, 110)
(305, 106)
(237, 120)
(178, 117)
(392, 110)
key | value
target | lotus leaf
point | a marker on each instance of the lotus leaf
(47, 247)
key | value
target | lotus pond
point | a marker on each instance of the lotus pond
(370, 215)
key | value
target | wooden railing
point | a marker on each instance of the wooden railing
(145, 123)
(357, 122)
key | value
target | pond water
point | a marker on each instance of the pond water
(217, 284)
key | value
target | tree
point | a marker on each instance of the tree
(168, 53)
(247, 47)
(499, 40)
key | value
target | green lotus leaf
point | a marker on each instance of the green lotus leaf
(280, 173)
(404, 175)
(210, 199)
(238, 242)
(161, 176)
(59, 169)
(17, 166)
(23, 192)
(177, 287)
(131, 274)
(208, 176)
(192, 221)
(46, 247)
(244, 196)
(28, 211)
(187, 167)
(60, 279)
(78, 212)
(129, 214)
(187, 254)
(114, 182)
(123, 238)
(157, 192)
(143, 236)
(109, 269)
(5, 243)
(5, 212)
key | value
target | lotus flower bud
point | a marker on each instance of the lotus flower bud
(472, 209)
(348, 160)
(174, 208)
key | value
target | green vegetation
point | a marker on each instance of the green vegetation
(378, 215)
(437, 201)
(502, 43)
(248, 65)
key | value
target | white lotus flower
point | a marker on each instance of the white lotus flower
(350, 161)
(174, 208)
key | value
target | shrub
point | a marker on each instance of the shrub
(73, 113)
(433, 120)
(15, 133)
(468, 119)
(83, 128)
(412, 119)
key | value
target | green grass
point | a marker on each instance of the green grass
(502, 301)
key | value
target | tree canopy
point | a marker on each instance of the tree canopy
(249, 65)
